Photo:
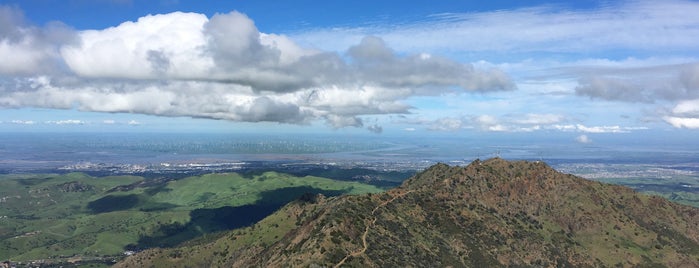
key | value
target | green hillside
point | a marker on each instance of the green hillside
(681, 189)
(76, 216)
(492, 213)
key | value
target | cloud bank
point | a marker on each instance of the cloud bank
(518, 123)
(677, 84)
(616, 31)
(186, 64)
(640, 84)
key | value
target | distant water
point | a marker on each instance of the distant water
(45, 152)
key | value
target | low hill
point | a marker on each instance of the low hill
(75, 217)
(489, 213)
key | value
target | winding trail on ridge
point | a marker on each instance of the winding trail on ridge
(366, 230)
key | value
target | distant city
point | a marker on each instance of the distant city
(155, 154)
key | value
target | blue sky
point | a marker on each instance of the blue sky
(576, 68)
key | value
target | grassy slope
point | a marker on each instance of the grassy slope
(492, 213)
(680, 189)
(64, 215)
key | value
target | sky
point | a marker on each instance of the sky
(576, 68)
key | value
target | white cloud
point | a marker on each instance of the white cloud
(643, 81)
(19, 57)
(171, 44)
(25, 49)
(583, 139)
(643, 52)
(446, 124)
(599, 129)
(222, 67)
(108, 122)
(516, 122)
(538, 119)
(498, 128)
(640, 84)
(23, 122)
(595, 129)
(289, 51)
(486, 120)
(134, 123)
(622, 25)
(688, 107)
(185, 64)
(682, 122)
(66, 122)
(511, 123)
(685, 114)
(228, 48)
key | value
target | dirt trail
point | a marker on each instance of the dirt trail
(366, 230)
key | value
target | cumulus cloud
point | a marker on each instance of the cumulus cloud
(170, 45)
(687, 108)
(682, 122)
(632, 29)
(25, 49)
(186, 64)
(489, 123)
(684, 115)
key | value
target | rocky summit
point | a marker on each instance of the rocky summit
(492, 213)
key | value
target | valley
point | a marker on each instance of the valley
(59, 218)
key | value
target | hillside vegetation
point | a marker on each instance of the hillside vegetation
(488, 214)
(56, 218)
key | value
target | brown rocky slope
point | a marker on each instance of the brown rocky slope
(489, 213)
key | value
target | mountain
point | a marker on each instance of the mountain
(489, 213)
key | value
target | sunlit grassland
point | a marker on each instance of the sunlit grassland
(51, 215)
(682, 189)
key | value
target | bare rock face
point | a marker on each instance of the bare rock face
(75, 187)
(489, 213)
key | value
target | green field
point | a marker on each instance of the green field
(680, 189)
(675, 183)
(73, 215)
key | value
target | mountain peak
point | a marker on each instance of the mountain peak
(489, 171)
(488, 213)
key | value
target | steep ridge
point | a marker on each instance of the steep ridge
(489, 213)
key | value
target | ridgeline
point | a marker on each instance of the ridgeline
(488, 214)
